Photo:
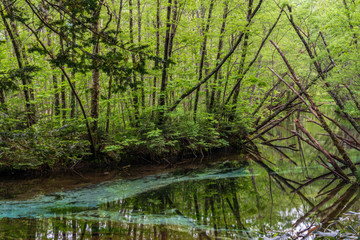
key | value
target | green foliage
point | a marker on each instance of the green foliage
(26, 72)
(137, 84)
(41, 145)
(183, 137)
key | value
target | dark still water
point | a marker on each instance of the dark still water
(236, 199)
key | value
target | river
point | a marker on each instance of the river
(227, 197)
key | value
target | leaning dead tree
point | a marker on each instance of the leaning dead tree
(338, 163)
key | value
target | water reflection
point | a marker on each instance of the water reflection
(227, 201)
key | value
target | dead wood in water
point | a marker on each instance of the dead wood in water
(300, 100)
(332, 162)
(319, 70)
(289, 105)
(318, 146)
(305, 98)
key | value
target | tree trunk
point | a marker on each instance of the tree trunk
(3, 107)
(108, 111)
(217, 68)
(162, 96)
(157, 49)
(56, 96)
(212, 103)
(203, 54)
(35, 33)
(72, 96)
(318, 114)
(54, 77)
(134, 87)
(95, 88)
(62, 88)
(141, 59)
(13, 34)
(242, 65)
(332, 93)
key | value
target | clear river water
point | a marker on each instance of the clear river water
(227, 197)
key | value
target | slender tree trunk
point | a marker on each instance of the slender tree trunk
(62, 83)
(24, 59)
(56, 96)
(135, 87)
(175, 19)
(242, 64)
(63, 97)
(241, 76)
(212, 103)
(54, 77)
(164, 76)
(95, 88)
(157, 49)
(12, 31)
(35, 33)
(142, 80)
(72, 96)
(203, 54)
(3, 107)
(108, 111)
(217, 68)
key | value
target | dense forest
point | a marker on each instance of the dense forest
(156, 81)
(177, 119)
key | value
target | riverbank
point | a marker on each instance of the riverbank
(129, 168)
(42, 150)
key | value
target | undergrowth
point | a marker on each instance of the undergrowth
(44, 145)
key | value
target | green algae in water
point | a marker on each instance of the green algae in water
(226, 201)
(93, 196)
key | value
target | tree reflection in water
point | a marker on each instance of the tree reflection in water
(256, 203)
